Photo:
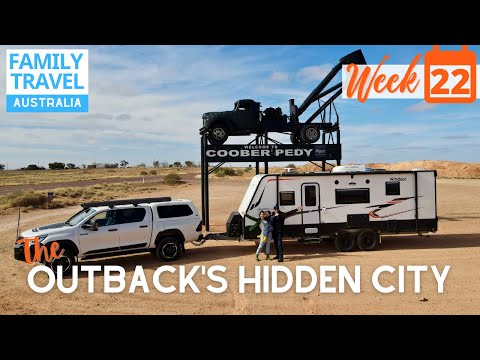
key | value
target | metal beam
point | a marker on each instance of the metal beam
(215, 167)
(324, 106)
(320, 166)
(257, 164)
(202, 174)
(311, 98)
(265, 164)
(204, 177)
(326, 92)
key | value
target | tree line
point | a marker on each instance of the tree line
(122, 164)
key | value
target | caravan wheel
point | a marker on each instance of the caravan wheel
(345, 241)
(367, 240)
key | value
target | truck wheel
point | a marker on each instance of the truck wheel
(168, 249)
(294, 139)
(367, 240)
(309, 134)
(67, 260)
(218, 134)
(345, 241)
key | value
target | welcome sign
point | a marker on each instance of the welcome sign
(273, 152)
(47, 80)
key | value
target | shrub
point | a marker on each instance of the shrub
(172, 179)
(56, 166)
(56, 205)
(239, 172)
(220, 173)
(29, 199)
(144, 173)
(33, 167)
(248, 169)
(75, 193)
(229, 172)
(153, 172)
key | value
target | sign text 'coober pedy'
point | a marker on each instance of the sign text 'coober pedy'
(272, 152)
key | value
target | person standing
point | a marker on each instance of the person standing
(278, 224)
(265, 225)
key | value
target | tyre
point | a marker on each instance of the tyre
(168, 249)
(367, 240)
(218, 134)
(345, 241)
(294, 139)
(66, 260)
(309, 134)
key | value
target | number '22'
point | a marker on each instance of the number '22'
(458, 89)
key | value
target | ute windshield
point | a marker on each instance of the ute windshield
(79, 217)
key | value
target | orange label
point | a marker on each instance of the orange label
(38, 249)
(450, 76)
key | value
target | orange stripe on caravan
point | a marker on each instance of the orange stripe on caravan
(279, 180)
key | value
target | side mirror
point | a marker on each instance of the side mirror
(91, 226)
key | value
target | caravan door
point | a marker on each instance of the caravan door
(310, 203)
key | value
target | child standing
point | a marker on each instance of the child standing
(265, 224)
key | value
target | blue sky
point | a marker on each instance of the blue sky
(146, 103)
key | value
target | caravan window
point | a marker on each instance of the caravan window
(310, 195)
(392, 188)
(352, 196)
(287, 198)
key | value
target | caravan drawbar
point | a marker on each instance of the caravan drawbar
(353, 207)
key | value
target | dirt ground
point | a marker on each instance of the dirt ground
(457, 243)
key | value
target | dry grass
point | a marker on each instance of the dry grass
(25, 177)
(447, 169)
(23, 199)
(77, 195)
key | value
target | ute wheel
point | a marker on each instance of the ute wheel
(67, 260)
(309, 134)
(367, 240)
(168, 249)
(218, 134)
(345, 241)
(294, 139)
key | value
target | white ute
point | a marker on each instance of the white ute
(102, 229)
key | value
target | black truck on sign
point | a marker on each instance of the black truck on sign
(247, 118)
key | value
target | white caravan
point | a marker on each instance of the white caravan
(354, 207)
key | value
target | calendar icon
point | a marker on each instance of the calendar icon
(450, 75)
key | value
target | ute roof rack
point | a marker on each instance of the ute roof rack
(135, 202)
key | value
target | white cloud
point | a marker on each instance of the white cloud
(279, 76)
(146, 104)
(421, 106)
(139, 97)
(313, 73)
